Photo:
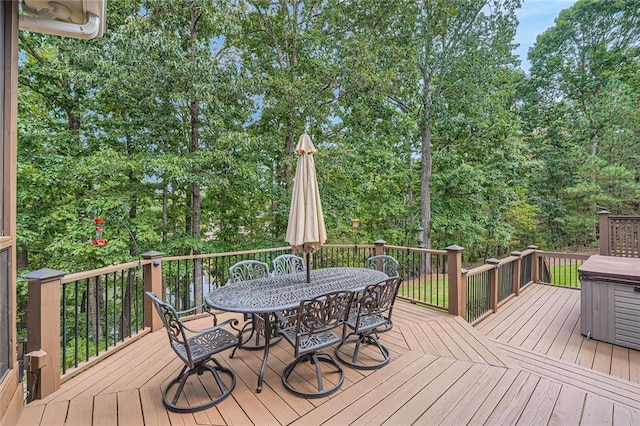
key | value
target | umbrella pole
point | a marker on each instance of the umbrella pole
(308, 267)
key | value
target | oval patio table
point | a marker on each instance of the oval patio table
(264, 296)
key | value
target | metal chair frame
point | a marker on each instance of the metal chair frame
(195, 348)
(385, 263)
(371, 310)
(288, 264)
(309, 331)
(247, 270)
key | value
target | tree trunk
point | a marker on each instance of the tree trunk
(425, 190)
(194, 112)
(94, 293)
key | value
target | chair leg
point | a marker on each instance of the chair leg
(353, 361)
(316, 359)
(215, 370)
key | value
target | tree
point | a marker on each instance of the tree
(287, 50)
(584, 74)
(436, 62)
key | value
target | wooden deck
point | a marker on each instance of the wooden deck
(528, 364)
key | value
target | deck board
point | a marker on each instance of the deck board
(540, 405)
(568, 407)
(55, 413)
(448, 402)
(428, 392)
(526, 364)
(474, 398)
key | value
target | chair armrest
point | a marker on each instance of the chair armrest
(287, 317)
(204, 308)
(281, 318)
(190, 310)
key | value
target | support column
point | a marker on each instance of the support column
(152, 274)
(604, 227)
(495, 278)
(535, 268)
(517, 274)
(379, 246)
(457, 288)
(42, 360)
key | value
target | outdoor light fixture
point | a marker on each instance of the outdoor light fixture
(355, 223)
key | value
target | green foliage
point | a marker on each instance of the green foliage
(583, 118)
(178, 127)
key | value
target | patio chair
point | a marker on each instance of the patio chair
(385, 263)
(311, 330)
(247, 270)
(288, 264)
(196, 348)
(370, 312)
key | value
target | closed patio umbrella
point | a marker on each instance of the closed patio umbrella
(305, 231)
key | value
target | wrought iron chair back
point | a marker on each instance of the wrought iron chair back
(316, 318)
(385, 263)
(311, 330)
(371, 311)
(195, 348)
(288, 264)
(254, 326)
(248, 270)
(374, 306)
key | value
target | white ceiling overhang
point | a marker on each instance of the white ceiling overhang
(83, 19)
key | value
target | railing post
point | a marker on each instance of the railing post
(517, 270)
(495, 276)
(604, 230)
(42, 362)
(457, 288)
(152, 282)
(379, 246)
(534, 263)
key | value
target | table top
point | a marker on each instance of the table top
(281, 292)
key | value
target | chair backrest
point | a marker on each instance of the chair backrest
(317, 316)
(375, 304)
(385, 263)
(248, 270)
(288, 264)
(175, 328)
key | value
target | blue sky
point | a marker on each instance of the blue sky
(535, 16)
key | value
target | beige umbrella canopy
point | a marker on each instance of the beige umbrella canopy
(306, 232)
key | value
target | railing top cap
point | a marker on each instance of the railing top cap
(380, 242)
(455, 248)
(151, 254)
(43, 274)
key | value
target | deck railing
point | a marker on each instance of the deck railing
(181, 273)
(424, 275)
(619, 235)
(560, 269)
(102, 310)
(490, 285)
(99, 309)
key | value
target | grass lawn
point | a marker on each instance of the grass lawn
(565, 275)
(427, 289)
